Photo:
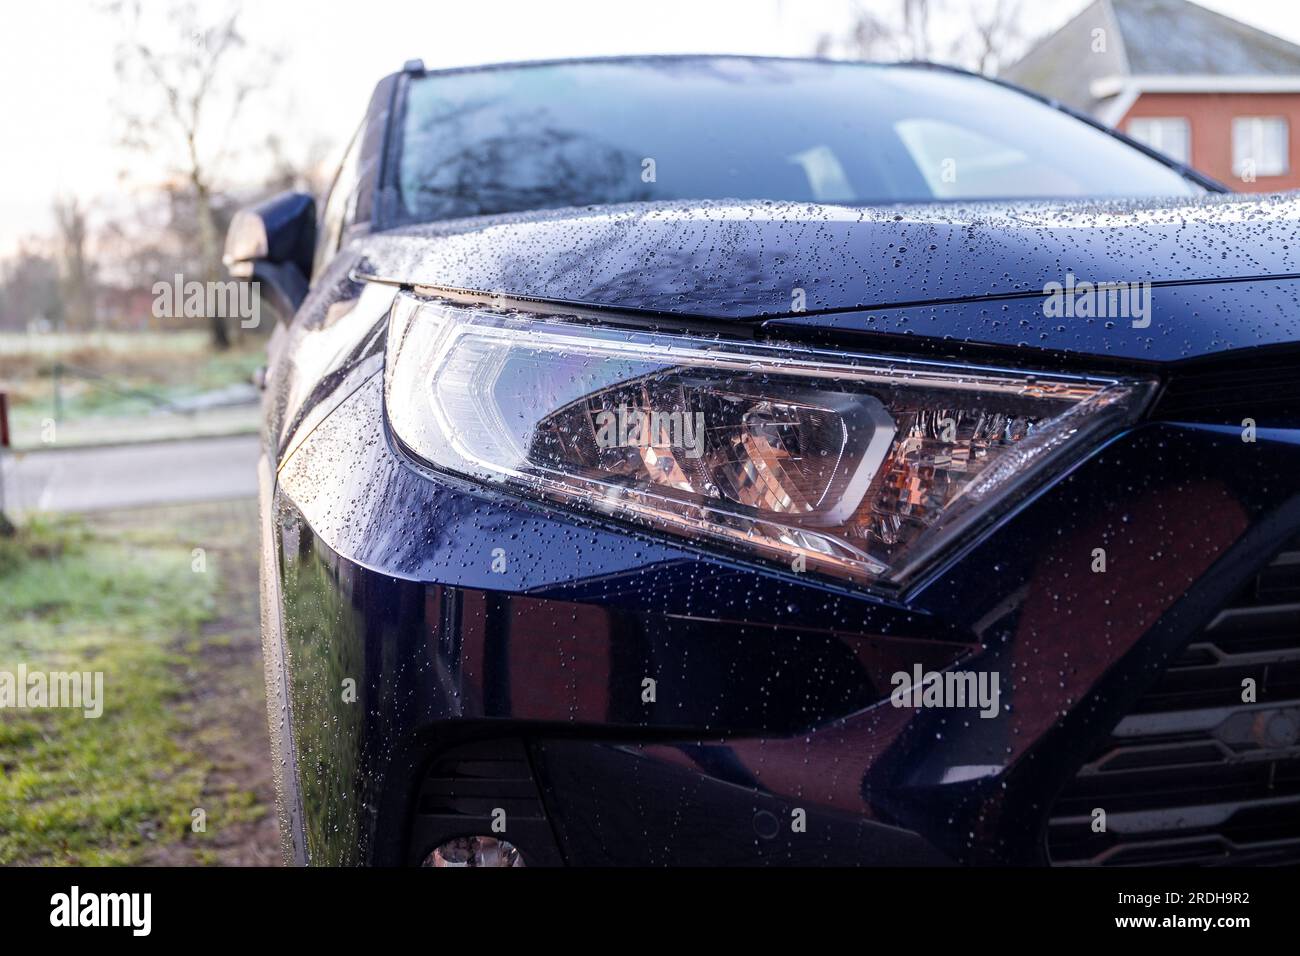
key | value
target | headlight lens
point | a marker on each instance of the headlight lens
(856, 465)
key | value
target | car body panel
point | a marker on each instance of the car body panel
(388, 578)
(410, 614)
(926, 270)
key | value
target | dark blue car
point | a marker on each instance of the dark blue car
(714, 460)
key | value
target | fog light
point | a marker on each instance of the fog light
(475, 851)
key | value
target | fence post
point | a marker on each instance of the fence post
(5, 526)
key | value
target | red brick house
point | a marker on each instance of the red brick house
(1202, 88)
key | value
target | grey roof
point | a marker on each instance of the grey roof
(1171, 37)
(1064, 64)
(1148, 37)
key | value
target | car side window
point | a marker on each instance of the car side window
(340, 207)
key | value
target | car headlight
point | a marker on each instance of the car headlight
(861, 466)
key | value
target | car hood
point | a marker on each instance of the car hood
(827, 265)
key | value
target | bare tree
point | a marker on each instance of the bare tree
(77, 279)
(916, 28)
(894, 30)
(309, 173)
(188, 81)
(29, 289)
(871, 34)
(930, 30)
(996, 35)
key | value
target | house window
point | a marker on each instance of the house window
(1171, 135)
(1260, 146)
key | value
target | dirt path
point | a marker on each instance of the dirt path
(224, 708)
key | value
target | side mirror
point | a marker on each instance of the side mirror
(273, 243)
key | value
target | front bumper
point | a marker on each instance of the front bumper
(422, 616)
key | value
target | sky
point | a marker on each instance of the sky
(59, 97)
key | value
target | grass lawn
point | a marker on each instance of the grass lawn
(182, 695)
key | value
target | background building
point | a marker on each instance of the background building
(1206, 90)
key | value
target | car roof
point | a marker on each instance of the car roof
(417, 67)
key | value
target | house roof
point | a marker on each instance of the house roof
(1175, 37)
(1161, 44)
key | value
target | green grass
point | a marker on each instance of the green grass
(103, 791)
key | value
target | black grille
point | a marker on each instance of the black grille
(1264, 391)
(465, 785)
(1194, 775)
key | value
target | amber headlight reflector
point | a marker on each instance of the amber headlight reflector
(859, 466)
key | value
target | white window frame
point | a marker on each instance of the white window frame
(1171, 135)
(1250, 142)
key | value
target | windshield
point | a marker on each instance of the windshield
(510, 139)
